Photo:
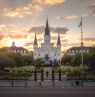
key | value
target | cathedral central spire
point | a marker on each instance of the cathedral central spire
(47, 30)
(58, 41)
(47, 36)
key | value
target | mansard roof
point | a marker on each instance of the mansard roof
(13, 48)
(79, 48)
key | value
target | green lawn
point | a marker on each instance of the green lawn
(24, 69)
(20, 71)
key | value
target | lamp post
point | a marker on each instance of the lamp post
(35, 74)
(25, 78)
(53, 77)
(47, 73)
(59, 73)
(12, 82)
(42, 73)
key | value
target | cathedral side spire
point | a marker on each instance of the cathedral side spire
(35, 40)
(58, 41)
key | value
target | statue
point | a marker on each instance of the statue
(47, 60)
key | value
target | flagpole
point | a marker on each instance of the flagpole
(81, 42)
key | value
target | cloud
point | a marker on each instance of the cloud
(7, 28)
(89, 39)
(41, 30)
(28, 44)
(12, 12)
(86, 41)
(80, 1)
(54, 38)
(17, 12)
(21, 12)
(60, 18)
(30, 8)
(2, 37)
(61, 30)
(69, 17)
(73, 44)
(40, 39)
(92, 7)
(50, 2)
(17, 36)
(86, 15)
(38, 30)
(64, 40)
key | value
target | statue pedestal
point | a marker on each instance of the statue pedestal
(47, 63)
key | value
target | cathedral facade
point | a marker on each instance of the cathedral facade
(47, 48)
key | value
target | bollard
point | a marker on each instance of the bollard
(59, 75)
(77, 83)
(25, 83)
(53, 77)
(42, 75)
(35, 76)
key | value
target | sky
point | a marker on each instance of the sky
(21, 19)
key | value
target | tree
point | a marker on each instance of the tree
(21, 60)
(66, 59)
(6, 61)
(76, 60)
(92, 50)
(38, 61)
(28, 60)
(88, 59)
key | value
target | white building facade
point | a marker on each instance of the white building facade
(74, 50)
(15, 49)
(47, 48)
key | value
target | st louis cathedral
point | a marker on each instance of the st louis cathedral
(47, 48)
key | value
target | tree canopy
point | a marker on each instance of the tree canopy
(14, 59)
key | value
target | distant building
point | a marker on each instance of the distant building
(15, 49)
(74, 50)
(47, 48)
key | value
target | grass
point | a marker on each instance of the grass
(19, 71)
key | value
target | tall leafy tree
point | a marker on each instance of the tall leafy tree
(66, 59)
(88, 59)
(6, 61)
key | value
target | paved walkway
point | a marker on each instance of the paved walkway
(46, 83)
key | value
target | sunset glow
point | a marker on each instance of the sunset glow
(21, 19)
